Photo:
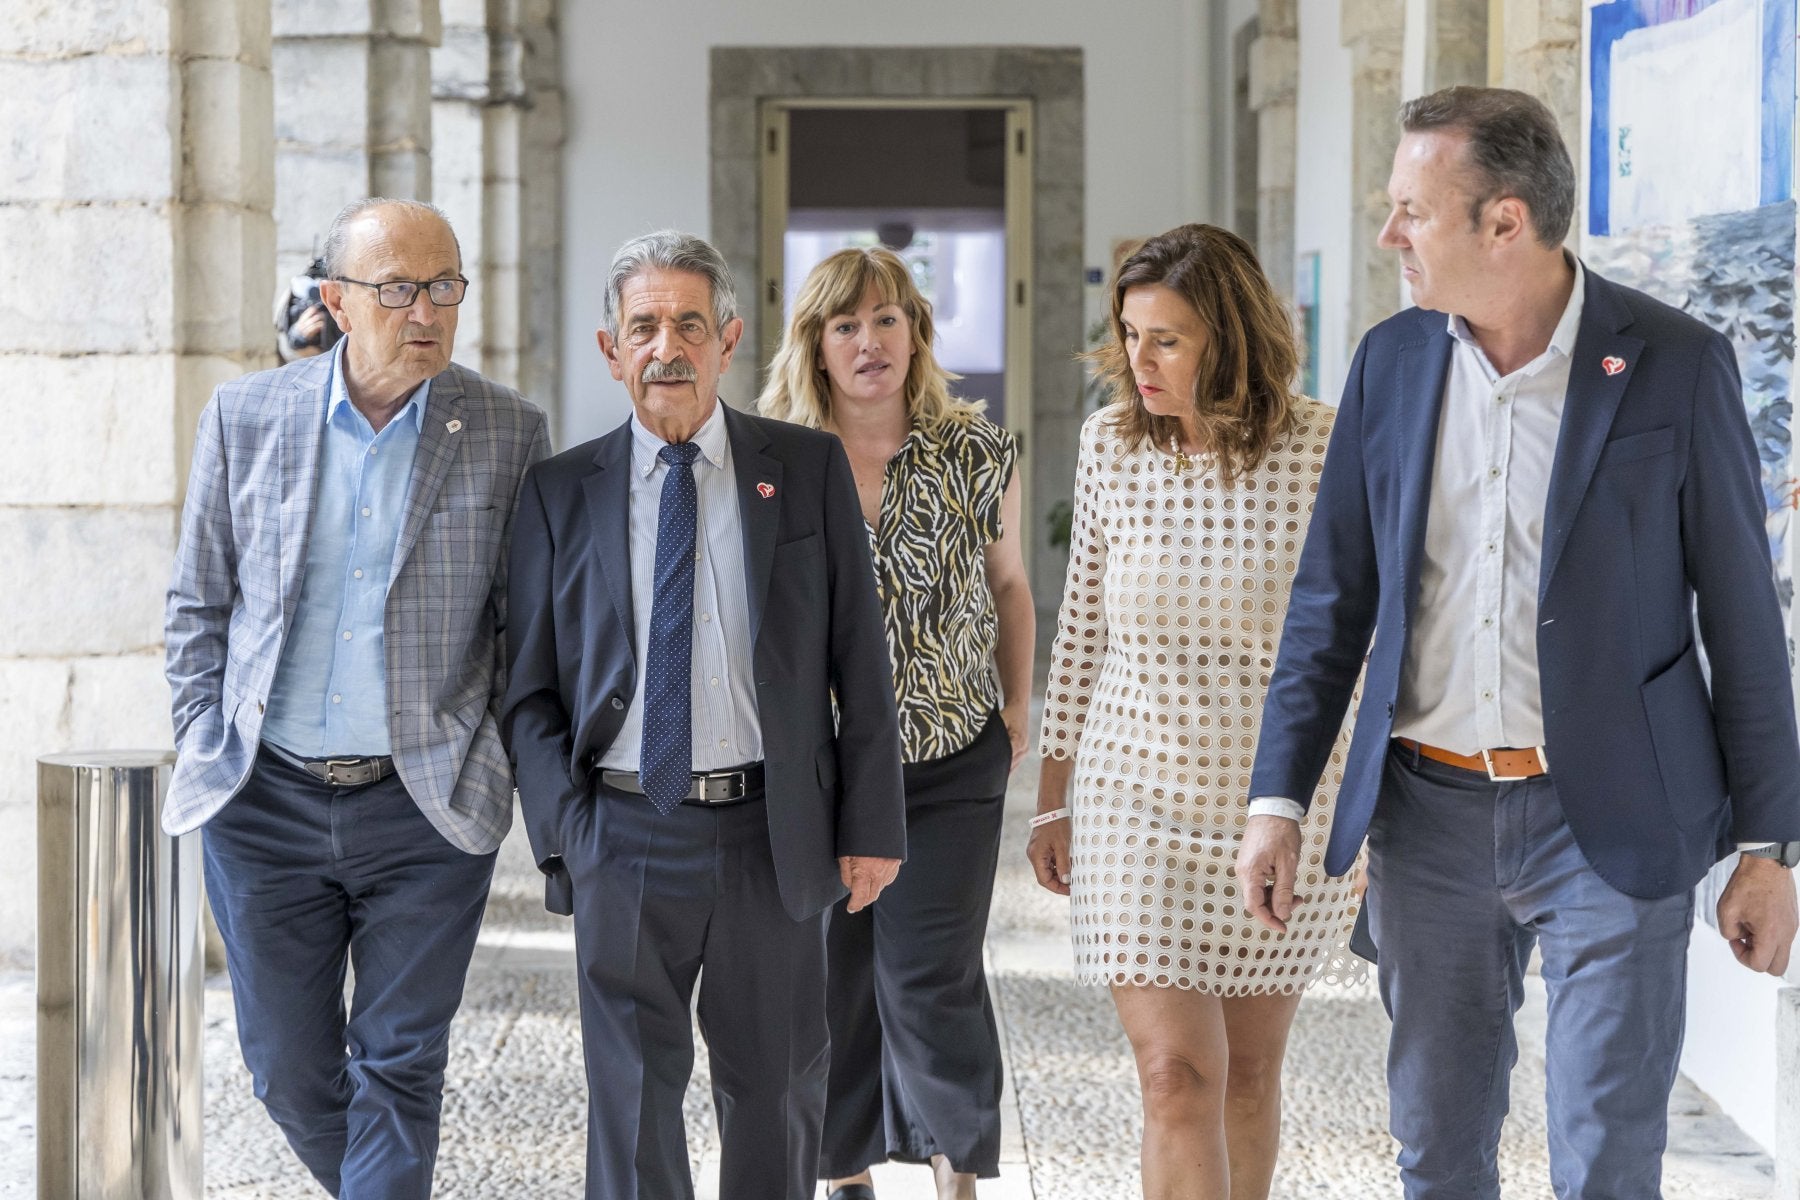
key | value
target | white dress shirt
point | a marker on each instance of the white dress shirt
(1469, 680)
(726, 727)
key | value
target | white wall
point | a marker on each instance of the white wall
(1322, 185)
(1729, 1051)
(636, 158)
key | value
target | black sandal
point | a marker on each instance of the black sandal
(853, 1191)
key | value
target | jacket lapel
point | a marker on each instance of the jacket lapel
(1424, 368)
(302, 429)
(608, 491)
(440, 433)
(1589, 407)
(758, 513)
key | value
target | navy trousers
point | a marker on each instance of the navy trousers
(304, 877)
(915, 1050)
(662, 903)
(1465, 875)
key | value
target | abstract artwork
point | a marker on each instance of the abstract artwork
(1689, 191)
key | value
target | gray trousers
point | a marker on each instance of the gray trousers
(1465, 875)
(663, 902)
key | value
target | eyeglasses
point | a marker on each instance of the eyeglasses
(643, 332)
(400, 293)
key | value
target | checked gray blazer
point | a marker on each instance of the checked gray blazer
(244, 532)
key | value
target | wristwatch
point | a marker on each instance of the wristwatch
(1785, 853)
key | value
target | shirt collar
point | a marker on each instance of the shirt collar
(339, 395)
(1562, 339)
(712, 438)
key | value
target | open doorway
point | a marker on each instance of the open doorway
(946, 185)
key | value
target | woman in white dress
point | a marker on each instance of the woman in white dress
(1193, 494)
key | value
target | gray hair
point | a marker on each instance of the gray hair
(1515, 149)
(337, 238)
(669, 250)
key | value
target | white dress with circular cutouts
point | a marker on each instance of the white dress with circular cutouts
(1170, 622)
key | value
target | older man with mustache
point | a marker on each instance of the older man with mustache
(690, 593)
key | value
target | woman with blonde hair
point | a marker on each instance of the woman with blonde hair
(915, 1054)
(1193, 492)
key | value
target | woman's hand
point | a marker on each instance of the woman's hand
(1048, 853)
(1016, 718)
(1048, 849)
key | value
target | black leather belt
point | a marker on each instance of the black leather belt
(339, 772)
(707, 788)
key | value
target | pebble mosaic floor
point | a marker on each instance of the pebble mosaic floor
(514, 1111)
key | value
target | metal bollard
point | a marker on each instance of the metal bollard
(119, 973)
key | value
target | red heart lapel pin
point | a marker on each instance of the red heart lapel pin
(1612, 364)
(765, 490)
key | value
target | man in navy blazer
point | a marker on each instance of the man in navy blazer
(701, 717)
(1539, 485)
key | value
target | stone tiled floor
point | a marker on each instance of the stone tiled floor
(514, 1116)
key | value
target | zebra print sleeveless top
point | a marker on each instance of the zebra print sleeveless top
(940, 506)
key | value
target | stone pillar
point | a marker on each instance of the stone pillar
(139, 212)
(1373, 31)
(1274, 82)
(497, 140)
(352, 113)
(540, 209)
(476, 95)
(1787, 1093)
(1456, 43)
(1543, 57)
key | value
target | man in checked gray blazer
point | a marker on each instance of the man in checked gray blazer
(334, 650)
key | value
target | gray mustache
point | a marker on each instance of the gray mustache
(679, 371)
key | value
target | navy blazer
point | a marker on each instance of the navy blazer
(1655, 515)
(833, 787)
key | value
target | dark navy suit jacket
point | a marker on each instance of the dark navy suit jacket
(833, 788)
(1655, 516)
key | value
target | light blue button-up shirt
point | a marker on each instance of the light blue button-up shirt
(329, 696)
(726, 725)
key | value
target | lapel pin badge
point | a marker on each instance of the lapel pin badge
(765, 490)
(452, 426)
(1612, 364)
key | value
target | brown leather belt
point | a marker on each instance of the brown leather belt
(1501, 766)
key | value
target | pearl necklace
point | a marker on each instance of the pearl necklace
(1181, 460)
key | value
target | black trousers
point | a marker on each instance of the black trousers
(915, 1051)
(663, 902)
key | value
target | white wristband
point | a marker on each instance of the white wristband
(1055, 814)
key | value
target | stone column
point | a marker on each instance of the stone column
(1456, 43)
(497, 139)
(352, 113)
(1543, 57)
(1274, 80)
(1373, 31)
(138, 209)
(476, 95)
(540, 209)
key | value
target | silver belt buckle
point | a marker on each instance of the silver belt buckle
(716, 788)
(356, 766)
(1487, 759)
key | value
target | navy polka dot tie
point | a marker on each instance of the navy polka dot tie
(666, 762)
